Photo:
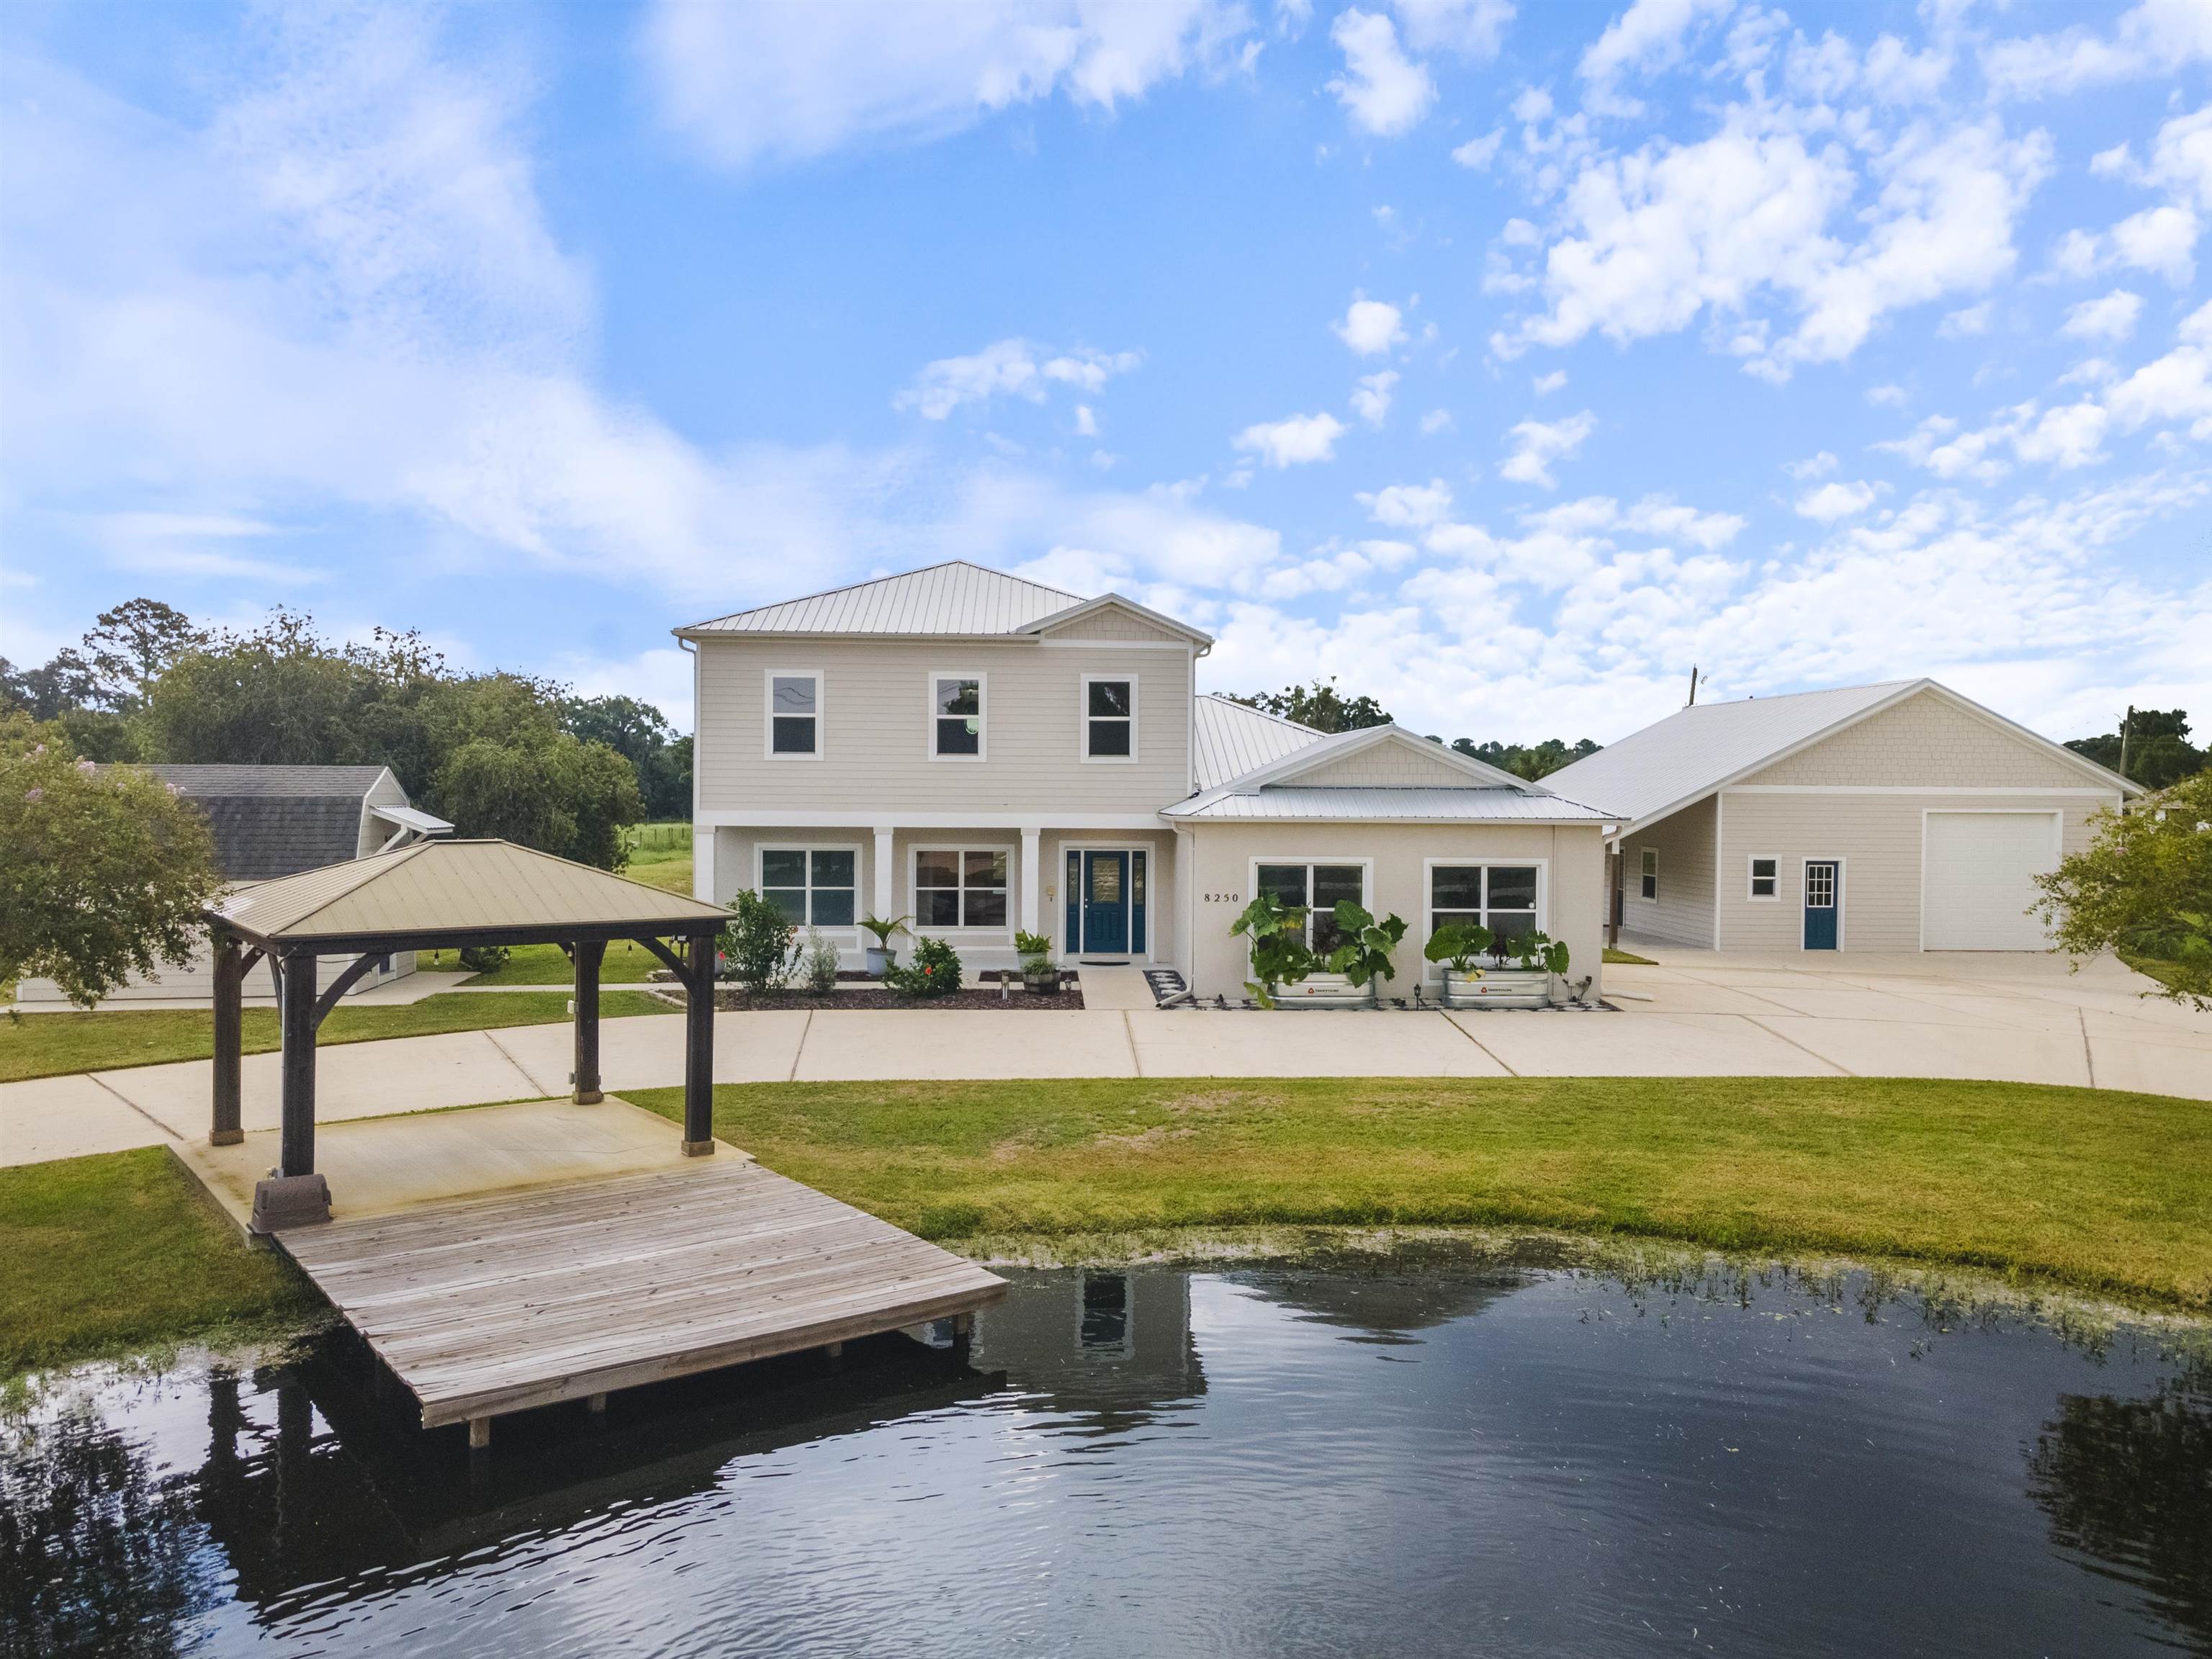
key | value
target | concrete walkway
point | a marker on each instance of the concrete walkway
(1695, 1014)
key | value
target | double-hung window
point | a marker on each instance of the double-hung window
(813, 886)
(1109, 717)
(1765, 876)
(1315, 888)
(795, 715)
(1647, 884)
(956, 716)
(960, 887)
(1500, 896)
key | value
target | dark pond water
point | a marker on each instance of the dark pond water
(1442, 1455)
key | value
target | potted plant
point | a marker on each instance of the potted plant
(1363, 945)
(1040, 976)
(1279, 956)
(1459, 946)
(880, 955)
(1526, 984)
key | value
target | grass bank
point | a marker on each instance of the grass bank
(625, 963)
(121, 1252)
(48, 1045)
(2106, 1192)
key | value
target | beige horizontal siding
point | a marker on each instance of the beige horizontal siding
(1386, 766)
(876, 737)
(1684, 910)
(1926, 741)
(1113, 623)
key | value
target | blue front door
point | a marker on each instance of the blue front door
(1823, 897)
(1106, 903)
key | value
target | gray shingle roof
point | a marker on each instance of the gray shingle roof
(272, 820)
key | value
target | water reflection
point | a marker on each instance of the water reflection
(1432, 1453)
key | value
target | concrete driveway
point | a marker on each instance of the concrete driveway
(2014, 1019)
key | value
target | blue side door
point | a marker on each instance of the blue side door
(1823, 897)
(1106, 903)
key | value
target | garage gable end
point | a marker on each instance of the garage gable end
(1929, 740)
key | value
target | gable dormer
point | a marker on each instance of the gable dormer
(1110, 619)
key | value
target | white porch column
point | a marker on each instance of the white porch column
(1032, 834)
(703, 865)
(884, 873)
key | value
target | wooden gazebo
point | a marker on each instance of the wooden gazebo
(435, 895)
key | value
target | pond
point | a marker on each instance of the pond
(1439, 1452)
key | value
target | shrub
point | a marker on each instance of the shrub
(484, 958)
(934, 971)
(756, 946)
(2142, 887)
(820, 963)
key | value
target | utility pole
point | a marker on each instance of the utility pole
(2129, 720)
(1693, 688)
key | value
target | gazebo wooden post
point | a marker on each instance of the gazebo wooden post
(589, 955)
(699, 1048)
(298, 1156)
(229, 1022)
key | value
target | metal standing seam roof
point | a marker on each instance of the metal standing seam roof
(1472, 805)
(1229, 739)
(450, 887)
(955, 597)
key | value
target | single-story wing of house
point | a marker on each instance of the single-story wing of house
(1896, 817)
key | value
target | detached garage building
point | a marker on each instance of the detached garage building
(1899, 817)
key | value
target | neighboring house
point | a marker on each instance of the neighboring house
(983, 753)
(1899, 816)
(270, 821)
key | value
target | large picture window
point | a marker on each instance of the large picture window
(1109, 718)
(814, 886)
(1317, 887)
(956, 716)
(960, 887)
(794, 715)
(1500, 896)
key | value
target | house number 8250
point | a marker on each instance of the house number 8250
(1222, 898)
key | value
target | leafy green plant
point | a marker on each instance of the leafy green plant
(882, 930)
(484, 958)
(934, 971)
(2142, 887)
(1365, 944)
(1458, 944)
(1279, 953)
(756, 946)
(1033, 947)
(1536, 949)
(821, 963)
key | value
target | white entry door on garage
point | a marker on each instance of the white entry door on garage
(1977, 879)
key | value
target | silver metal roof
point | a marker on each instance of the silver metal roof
(1229, 739)
(954, 598)
(1479, 805)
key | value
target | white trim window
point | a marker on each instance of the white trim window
(1109, 718)
(1315, 885)
(1765, 886)
(1506, 898)
(813, 886)
(959, 703)
(960, 886)
(794, 703)
(1647, 880)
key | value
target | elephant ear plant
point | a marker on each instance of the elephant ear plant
(1459, 946)
(1538, 952)
(1279, 956)
(1363, 954)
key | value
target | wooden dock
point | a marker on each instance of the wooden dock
(585, 1254)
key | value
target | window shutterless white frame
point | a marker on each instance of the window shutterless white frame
(1429, 868)
(1310, 860)
(1842, 891)
(1772, 877)
(1084, 718)
(960, 851)
(1647, 875)
(769, 677)
(982, 711)
(809, 848)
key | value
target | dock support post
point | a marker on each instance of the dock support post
(699, 1048)
(229, 1029)
(590, 953)
(479, 1433)
(299, 1064)
(598, 1403)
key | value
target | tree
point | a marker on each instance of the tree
(1532, 763)
(106, 874)
(1320, 705)
(562, 797)
(641, 734)
(2142, 887)
(2156, 743)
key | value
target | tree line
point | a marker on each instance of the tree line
(1325, 708)
(498, 754)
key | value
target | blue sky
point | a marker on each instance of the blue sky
(1503, 363)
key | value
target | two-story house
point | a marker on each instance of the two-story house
(984, 753)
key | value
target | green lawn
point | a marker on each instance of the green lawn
(1628, 958)
(47, 1045)
(2103, 1192)
(671, 874)
(121, 1252)
(548, 964)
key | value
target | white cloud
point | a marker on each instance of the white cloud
(1294, 441)
(1385, 92)
(1813, 466)
(2161, 241)
(1370, 326)
(1474, 29)
(2158, 38)
(1650, 37)
(1967, 321)
(1014, 367)
(1537, 444)
(1832, 501)
(2173, 388)
(751, 84)
(1479, 152)
(1409, 507)
(1372, 400)
(1086, 423)
(2112, 318)
(1545, 385)
(1435, 421)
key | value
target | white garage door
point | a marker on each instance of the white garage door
(1978, 880)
